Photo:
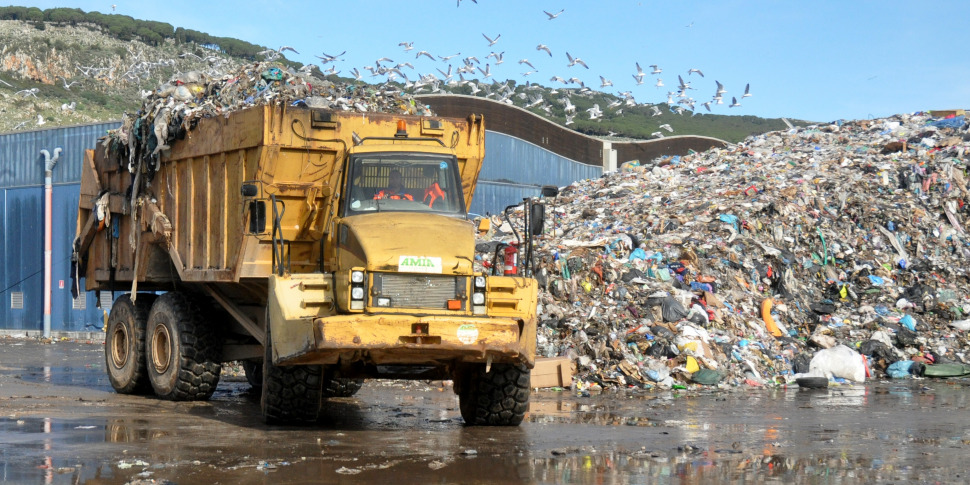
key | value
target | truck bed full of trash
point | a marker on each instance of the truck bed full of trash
(832, 251)
(174, 108)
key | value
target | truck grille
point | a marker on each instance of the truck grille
(418, 291)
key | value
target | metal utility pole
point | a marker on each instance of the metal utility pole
(49, 163)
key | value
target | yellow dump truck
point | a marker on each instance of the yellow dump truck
(318, 247)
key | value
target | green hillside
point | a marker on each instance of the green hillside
(63, 66)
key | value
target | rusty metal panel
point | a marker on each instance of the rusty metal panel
(21, 163)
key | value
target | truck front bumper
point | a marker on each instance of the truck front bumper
(408, 340)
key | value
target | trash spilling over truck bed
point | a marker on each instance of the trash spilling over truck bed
(174, 108)
(790, 255)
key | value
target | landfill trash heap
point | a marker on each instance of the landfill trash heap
(793, 253)
(173, 109)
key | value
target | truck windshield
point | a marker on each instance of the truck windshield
(403, 182)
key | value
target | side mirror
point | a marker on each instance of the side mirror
(537, 219)
(257, 216)
(550, 191)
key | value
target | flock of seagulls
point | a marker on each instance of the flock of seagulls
(455, 71)
(480, 77)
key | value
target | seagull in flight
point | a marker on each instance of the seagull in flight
(660, 83)
(407, 45)
(424, 53)
(734, 103)
(448, 58)
(543, 47)
(698, 71)
(605, 82)
(638, 79)
(356, 73)
(747, 87)
(490, 40)
(554, 15)
(328, 58)
(526, 62)
(575, 60)
(707, 105)
(720, 88)
(666, 127)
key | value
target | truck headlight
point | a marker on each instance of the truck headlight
(478, 298)
(479, 282)
(357, 293)
(356, 276)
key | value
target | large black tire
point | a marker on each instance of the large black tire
(340, 387)
(183, 352)
(496, 398)
(291, 394)
(254, 372)
(124, 344)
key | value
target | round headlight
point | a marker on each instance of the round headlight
(479, 282)
(478, 298)
(357, 293)
(356, 276)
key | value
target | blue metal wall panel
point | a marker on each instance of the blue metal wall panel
(63, 315)
(23, 256)
(21, 163)
(514, 169)
(512, 160)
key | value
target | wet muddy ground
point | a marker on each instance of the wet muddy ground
(60, 422)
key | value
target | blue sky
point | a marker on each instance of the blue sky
(814, 60)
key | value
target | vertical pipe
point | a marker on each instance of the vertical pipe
(47, 253)
(48, 223)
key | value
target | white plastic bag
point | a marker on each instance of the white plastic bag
(838, 361)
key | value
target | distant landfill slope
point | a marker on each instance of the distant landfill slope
(59, 74)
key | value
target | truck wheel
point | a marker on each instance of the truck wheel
(182, 350)
(254, 372)
(496, 398)
(124, 345)
(340, 387)
(292, 394)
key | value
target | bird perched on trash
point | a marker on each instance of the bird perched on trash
(543, 47)
(554, 15)
(575, 60)
(490, 40)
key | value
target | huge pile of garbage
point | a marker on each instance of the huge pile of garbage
(176, 106)
(791, 254)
